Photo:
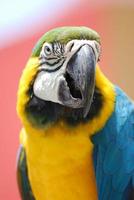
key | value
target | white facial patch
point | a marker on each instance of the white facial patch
(46, 86)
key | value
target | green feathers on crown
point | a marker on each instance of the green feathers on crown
(64, 35)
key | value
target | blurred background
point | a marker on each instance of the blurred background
(21, 25)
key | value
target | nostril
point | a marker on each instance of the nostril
(71, 46)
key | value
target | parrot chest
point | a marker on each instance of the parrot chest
(61, 168)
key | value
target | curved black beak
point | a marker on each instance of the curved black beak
(81, 69)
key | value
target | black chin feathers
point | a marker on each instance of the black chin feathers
(40, 112)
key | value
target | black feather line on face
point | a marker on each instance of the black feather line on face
(52, 69)
(51, 64)
(41, 113)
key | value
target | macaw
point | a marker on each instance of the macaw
(77, 140)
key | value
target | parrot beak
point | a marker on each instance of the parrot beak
(80, 78)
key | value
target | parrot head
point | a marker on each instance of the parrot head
(59, 79)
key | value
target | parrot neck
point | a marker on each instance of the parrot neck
(90, 126)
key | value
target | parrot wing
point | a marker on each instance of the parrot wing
(114, 153)
(22, 176)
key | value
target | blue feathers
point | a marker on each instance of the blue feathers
(112, 159)
(114, 152)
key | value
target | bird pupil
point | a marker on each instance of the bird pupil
(47, 49)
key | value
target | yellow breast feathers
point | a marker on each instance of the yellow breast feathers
(60, 166)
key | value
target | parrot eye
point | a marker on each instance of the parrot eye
(47, 50)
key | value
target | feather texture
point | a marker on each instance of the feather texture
(114, 152)
(22, 176)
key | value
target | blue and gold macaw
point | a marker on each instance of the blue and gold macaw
(77, 140)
